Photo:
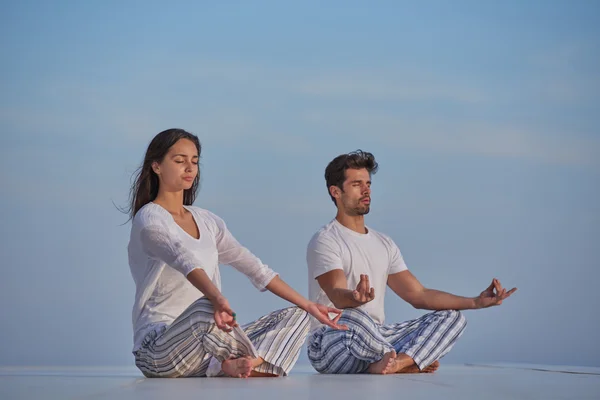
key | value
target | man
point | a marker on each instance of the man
(349, 266)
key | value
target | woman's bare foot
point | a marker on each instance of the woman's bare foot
(413, 369)
(384, 366)
(238, 367)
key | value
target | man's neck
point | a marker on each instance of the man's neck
(352, 222)
(171, 201)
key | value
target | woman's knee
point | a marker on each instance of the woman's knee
(203, 303)
(200, 311)
(298, 312)
(296, 315)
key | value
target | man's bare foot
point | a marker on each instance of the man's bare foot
(238, 367)
(432, 368)
(414, 369)
(384, 366)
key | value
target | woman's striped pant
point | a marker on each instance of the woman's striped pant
(185, 348)
(425, 340)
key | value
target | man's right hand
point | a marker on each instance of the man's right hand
(364, 293)
(224, 315)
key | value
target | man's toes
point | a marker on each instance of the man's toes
(389, 366)
(432, 368)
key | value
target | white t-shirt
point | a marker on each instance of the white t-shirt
(336, 247)
(162, 254)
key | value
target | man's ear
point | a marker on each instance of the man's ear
(335, 191)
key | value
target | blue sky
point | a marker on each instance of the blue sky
(484, 117)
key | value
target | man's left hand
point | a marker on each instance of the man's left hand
(494, 295)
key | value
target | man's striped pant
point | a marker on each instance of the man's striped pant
(425, 340)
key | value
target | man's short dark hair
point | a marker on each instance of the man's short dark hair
(335, 173)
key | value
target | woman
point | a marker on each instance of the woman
(182, 323)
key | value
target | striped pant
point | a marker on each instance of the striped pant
(425, 340)
(185, 348)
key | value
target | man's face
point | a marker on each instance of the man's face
(355, 198)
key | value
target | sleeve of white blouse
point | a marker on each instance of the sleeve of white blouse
(159, 244)
(231, 252)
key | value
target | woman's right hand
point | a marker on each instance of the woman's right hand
(224, 315)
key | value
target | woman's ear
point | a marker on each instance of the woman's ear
(155, 168)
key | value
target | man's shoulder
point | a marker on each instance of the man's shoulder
(384, 238)
(326, 231)
(379, 234)
(325, 234)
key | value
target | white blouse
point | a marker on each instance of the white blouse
(162, 254)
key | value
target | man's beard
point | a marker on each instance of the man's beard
(360, 209)
(363, 210)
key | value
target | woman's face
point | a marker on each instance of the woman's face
(179, 167)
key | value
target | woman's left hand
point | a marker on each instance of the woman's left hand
(321, 313)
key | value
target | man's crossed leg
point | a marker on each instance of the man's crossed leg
(366, 347)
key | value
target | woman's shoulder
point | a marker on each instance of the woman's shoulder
(151, 214)
(210, 219)
(203, 212)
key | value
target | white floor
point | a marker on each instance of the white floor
(450, 382)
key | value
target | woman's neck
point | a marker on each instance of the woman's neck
(171, 201)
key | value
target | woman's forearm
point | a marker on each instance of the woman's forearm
(202, 282)
(278, 287)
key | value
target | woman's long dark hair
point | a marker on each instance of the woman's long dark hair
(145, 182)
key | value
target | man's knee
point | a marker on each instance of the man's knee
(330, 356)
(359, 322)
(352, 316)
(461, 320)
(458, 318)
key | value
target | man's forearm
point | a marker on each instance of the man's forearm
(431, 299)
(343, 298)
